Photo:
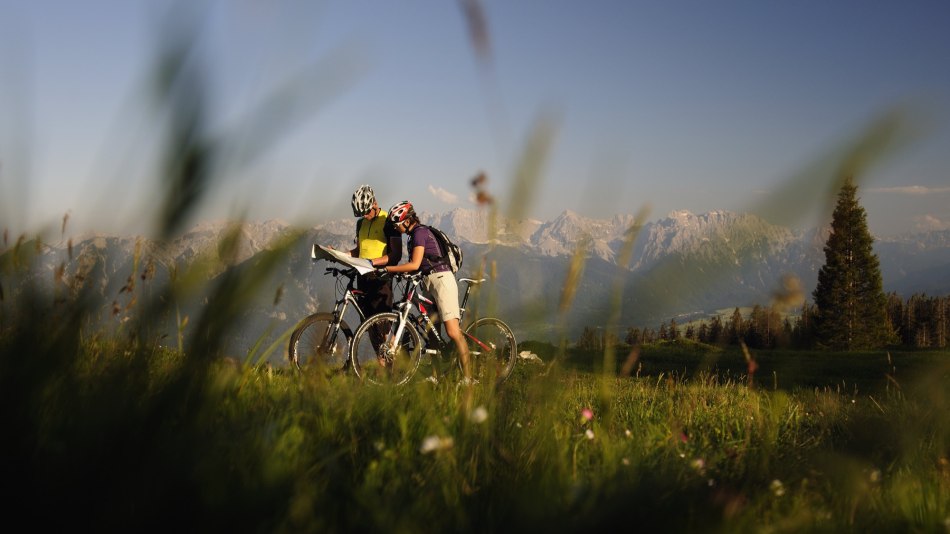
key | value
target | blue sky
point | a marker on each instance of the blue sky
(691, 105)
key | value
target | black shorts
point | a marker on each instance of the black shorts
(377, 294)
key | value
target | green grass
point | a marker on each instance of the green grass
(116, 436)
(867, 372)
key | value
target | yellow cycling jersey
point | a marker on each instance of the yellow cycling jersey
(371, 236)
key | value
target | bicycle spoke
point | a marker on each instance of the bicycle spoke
(492, 350)
(378, 357)
(319, 346)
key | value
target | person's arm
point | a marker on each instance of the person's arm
(355, 251)
(415, 261)
(394, 250)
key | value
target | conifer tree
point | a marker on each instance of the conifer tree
(850, 299)
(734, 328)
(715, 330)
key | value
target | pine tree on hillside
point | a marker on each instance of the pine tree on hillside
(850, 299)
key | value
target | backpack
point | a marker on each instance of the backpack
(451, 253)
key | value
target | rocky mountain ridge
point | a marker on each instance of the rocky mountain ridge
(682, 265)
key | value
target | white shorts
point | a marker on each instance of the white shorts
(444, 290)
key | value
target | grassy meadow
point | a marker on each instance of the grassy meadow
(113, 435)
(117, 431)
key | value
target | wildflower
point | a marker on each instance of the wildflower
(628, 433)
(777, 488)
(875, 476)
(625, 461)
(479, 415)
(435, 443)
(586, 415)
(698, 464)
(589, 433)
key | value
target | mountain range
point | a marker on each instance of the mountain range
(547, 279)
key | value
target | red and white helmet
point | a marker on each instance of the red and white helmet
(401, 211)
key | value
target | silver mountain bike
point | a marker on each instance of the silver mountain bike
(321, 341)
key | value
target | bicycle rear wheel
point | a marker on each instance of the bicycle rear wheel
(378, 357)
(492, 350)
(319, 345)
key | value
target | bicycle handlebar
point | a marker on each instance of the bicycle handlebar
(417, 275)
(336, 271)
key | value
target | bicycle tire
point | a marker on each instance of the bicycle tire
(315, 345)
(374, 335)
(492, 350)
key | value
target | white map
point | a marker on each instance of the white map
(321, 252)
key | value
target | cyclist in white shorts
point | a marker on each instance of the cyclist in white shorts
(440, 283)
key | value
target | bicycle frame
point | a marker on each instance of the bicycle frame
(413, 300)
(329, 324)
(387, 347)
(348, 298)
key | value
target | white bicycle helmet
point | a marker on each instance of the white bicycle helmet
(363, 200)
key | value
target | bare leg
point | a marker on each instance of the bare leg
(455, 334)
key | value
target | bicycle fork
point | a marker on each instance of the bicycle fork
(334, 327)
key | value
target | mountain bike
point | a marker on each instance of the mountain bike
(388, 347)
(321, 341)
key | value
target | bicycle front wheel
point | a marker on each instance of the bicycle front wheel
(492, 350)
(318, 344)
(379, 357)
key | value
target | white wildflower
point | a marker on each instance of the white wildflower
(435, 443)
(698, 464)
(589, 433)
(777, 488)
(479, 415)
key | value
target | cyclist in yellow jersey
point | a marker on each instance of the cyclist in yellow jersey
(378, 240)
